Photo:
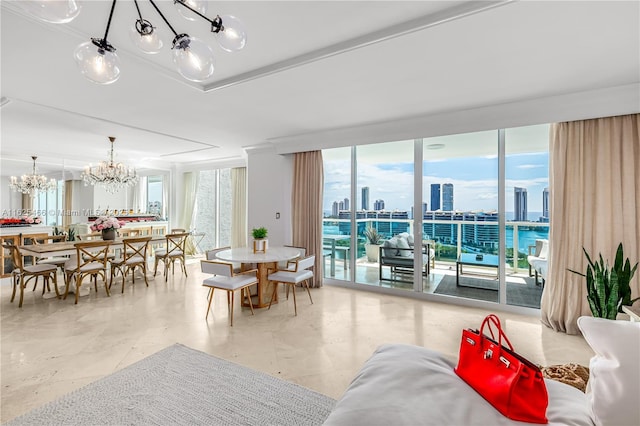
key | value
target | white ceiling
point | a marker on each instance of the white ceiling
(309, 68)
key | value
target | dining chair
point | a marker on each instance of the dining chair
(290, 264)
(20, 274)
(174, 250)
(225, 279)
(299, 274)
(58, 261)
(90, 260)
(134, 255)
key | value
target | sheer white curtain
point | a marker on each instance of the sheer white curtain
(189, 188)
(239, 207)
(139, 201)
(306, 202)
(595, 203)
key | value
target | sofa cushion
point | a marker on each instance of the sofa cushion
(404, 244)
(390, 247)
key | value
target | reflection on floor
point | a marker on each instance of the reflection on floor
(521, 289)
(50, 347)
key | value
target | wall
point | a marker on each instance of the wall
(269, 181)
(10, 201)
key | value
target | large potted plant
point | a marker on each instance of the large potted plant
(372, 246)
(608, 289)
(260, 242)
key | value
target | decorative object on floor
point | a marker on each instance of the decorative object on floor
(260, 241)
(507, 380)
(32, 184)
(608, 289)
(193, 58)
(374, 242)
(110, 175)
(527, 295)
(183, 386)
(571, 374)
(107, 225)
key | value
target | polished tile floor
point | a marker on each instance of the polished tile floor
(50, 347)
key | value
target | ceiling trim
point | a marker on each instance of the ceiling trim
(417, 24)
(104, 120)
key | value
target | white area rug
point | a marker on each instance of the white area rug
(183, 386)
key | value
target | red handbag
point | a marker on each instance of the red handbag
(508, 381)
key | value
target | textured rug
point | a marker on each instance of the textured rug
(183, 386)
(527, 295)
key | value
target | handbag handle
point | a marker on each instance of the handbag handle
(490, 320)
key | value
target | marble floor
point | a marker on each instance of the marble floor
(50, 347)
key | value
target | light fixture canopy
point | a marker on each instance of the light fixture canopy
(109, 174)
(32, 184)
(194, 59)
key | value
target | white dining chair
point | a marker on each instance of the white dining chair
(225, 279)
(300, 273)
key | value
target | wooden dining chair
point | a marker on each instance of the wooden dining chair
(58, 261)
(134, 255)
(90, 261)
(174, 251)
(20, 274)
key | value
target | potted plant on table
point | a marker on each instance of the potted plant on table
(608, 289)
(373, 244)
(107, 225)
(260, 242)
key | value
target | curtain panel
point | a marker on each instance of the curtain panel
(239, 207)
(306, 202)
(190, 187)
(595, 191)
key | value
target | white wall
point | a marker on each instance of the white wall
(10, 201)
(269, 181)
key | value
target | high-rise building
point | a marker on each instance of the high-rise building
(545, 203)
(346, 204)
(519, 204)
(435, 196)
(335, 209)
(447, 197)
(365, 198)
(378, 205)
(424, 208)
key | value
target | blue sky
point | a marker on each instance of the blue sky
(474, 180)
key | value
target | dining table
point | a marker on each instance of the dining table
(68, 248)
(264, 261)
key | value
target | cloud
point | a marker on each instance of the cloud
(530, 166)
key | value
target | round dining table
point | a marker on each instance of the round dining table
(264, 260)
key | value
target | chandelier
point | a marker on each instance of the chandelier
(110, 175)
(32, 184)
(193, 58)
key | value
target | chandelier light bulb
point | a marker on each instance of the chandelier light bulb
(199, 5)
(233, 36)
(193, 58)
(110, 175)
(145, 37)
(32, 184)
(53, 11)
(97, 65)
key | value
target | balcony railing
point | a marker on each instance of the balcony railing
(452, 237)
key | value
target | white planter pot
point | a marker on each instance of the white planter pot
(260, 245)
(372, 251)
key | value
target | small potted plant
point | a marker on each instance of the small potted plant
(260, 242)
(374, 241)
(608, 289)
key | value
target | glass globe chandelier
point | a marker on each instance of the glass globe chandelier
(193, 58)
(109, 174)
(32, 184)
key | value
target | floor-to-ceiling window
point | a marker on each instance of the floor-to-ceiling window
(212, 220)
(474, 244)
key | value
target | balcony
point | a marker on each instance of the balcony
(451, 238)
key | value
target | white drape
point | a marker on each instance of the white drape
(189, 188)
(239, 207)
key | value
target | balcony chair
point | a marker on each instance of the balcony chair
(20, 274)
(90, 260)
(134, 255)
(225, 279)
(174, 250)
(299, 274)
